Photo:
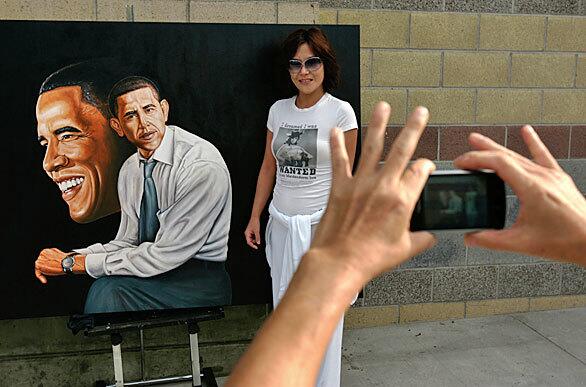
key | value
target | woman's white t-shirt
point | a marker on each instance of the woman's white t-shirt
(301, 146)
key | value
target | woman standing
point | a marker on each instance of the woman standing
(297, 154)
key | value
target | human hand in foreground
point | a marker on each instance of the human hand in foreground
(552, 215)
(364, 231)
(366, 224)
(49, 264)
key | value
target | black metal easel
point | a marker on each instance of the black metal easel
(114, 324)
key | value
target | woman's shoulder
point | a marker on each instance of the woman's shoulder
(340, 105)
(337, 101)
(282, 103)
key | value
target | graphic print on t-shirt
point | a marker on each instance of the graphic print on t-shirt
(295, 148)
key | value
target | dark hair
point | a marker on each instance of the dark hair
(127, 85)
(94, 77)
(320, 45)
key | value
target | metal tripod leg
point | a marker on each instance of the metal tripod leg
(193, 329)
(116, 339)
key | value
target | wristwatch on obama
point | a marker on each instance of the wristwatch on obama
(68, 262)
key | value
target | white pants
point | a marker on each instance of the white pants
(287, 239)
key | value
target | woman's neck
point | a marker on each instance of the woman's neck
(304, 101)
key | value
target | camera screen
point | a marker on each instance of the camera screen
(455, 202)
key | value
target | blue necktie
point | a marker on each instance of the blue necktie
(148, 221)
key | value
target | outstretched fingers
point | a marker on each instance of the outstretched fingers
(341, 170)
(416, 176)
(406, 142)
(372, 146)
(538, 150)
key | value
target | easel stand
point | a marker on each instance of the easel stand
(198, 378)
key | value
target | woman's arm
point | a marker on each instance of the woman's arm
(264, 186)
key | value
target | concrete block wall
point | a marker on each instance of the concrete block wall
(479, 66)
(482, 72)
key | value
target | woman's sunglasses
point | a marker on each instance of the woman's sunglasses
(311, 64)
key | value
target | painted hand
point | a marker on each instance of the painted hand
(49, 264)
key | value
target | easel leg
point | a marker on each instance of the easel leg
(141, 354)
(193, 329)
(116, 339)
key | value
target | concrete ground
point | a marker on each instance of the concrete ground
(528, 349)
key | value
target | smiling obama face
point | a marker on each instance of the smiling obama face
(82, 153)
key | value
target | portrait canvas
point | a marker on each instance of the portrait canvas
(85, 102)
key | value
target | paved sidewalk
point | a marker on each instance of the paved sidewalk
(529, 349)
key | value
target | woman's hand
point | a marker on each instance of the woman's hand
(252, 233)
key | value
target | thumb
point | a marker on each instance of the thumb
(421, 241)
(507, 239)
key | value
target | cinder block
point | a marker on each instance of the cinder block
(142, 10)
(78, 369)
(555, 138)
(483, 6)
(365, 317)
(576, 168)
(558, 302)
(443, 30)
(297, 13)
(345, 3)
(543, 70)
(454, 139)
(581, 71)
(566, 33)
(82, 10)
(410, 5)
(548, 7)
(512, 32)
(431, 312)
(449, 250)
(573, 279)
(492, 307)
(240, 324)
(427, 148)
(446, 106)
(176, 361)
(399, 287)
(406, 68)
(233, 12)
(564, 106)
(328, 16)
(365, 67)
(395, 97)
(378, 28)
(529, 280)
(578, 145)
(467, 283)
(472, 69)
(508, 106)
(52, 336)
